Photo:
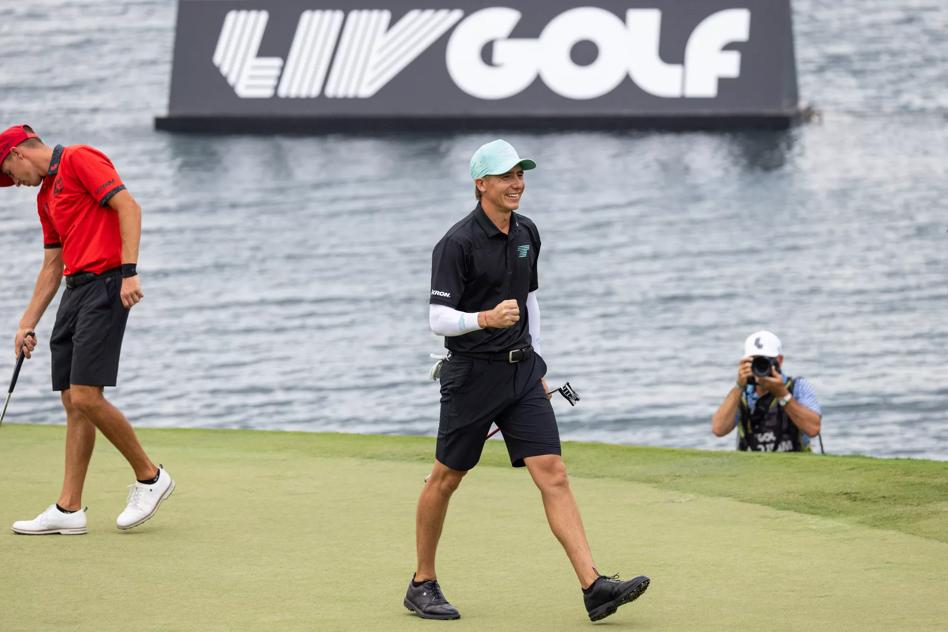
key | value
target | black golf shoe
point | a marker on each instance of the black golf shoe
(428, 602)
(608, 593)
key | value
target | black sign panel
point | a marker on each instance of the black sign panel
(247, 64)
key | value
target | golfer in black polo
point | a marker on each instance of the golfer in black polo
(483, 300)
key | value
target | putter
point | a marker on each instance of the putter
(16, 374)
(566, 391)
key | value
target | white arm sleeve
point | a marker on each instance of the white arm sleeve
(533, 313)
(445, 321)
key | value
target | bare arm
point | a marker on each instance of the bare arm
(130, 224)
(130, 227)
(723, 421)
(47, 284)
(805, 419)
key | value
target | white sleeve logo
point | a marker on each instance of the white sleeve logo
(440, 293)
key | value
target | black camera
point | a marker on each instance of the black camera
(760, 367)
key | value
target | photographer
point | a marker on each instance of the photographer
(773, 412)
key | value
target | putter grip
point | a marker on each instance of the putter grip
(16, 371)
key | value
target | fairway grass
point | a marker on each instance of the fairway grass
(299, 531)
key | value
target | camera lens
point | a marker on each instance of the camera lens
(760, 366)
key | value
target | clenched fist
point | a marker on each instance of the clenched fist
(131, 292)
(25, 341)
(505, 314)
(744, 371)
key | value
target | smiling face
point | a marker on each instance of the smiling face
(23, 173)
(503, 192)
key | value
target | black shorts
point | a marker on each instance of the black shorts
(87, 337)
(476, 393)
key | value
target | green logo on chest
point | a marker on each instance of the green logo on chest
(522, 251)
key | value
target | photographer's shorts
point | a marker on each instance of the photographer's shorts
(87, 337)
(476, 393)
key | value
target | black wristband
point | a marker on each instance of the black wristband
(128, 270)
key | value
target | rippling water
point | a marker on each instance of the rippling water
(286, 278)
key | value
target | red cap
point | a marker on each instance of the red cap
(10, 138)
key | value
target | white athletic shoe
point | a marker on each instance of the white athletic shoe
(53, 521)
(143, 500)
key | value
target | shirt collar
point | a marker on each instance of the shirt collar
(54, 161)
(489, 227)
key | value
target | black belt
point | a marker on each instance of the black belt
(81, 278)
(512, 356)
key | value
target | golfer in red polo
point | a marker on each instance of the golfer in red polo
(91, 231)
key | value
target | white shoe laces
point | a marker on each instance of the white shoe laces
(135, 493)
(48, 516)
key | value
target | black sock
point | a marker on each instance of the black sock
(417, 584)
(151, 481)
(590, 587)
(66, 511)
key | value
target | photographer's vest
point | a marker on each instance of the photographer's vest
(767, 428)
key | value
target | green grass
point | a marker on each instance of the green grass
(297, 531)
(900, 494)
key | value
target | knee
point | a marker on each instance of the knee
(66, 399)
(82, 400)
(445, 482)
(553, 478)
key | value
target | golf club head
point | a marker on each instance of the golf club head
(569, 393)
(434, 373)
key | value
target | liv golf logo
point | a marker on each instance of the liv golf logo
(353, 56)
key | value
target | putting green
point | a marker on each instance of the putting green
(294, 531)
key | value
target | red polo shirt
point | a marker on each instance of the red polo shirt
(73, 209)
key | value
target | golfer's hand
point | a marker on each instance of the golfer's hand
(744, 371)
(505, 314)
(25, 341)
(546, 388)
(131, 291)
(773, 384)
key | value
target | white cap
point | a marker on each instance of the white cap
(763, 343)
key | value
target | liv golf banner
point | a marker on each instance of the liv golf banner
(250, 65)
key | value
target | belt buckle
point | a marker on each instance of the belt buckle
(510, 356)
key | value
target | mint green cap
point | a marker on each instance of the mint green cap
(495, 158)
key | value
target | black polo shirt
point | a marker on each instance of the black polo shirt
(475, 266)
